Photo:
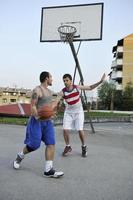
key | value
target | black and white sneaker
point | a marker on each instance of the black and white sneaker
(53, 173)
(16, 163)
(84, 151)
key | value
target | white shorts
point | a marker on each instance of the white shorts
(74, 121)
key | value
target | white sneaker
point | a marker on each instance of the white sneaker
(54, 174)
(16, 163)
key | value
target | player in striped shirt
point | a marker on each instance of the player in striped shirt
(74, 114)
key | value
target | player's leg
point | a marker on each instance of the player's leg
(32, 141)
(79, 123)
(84, 146)
(20, 156)
(66, 136)
(48, 137)
(67, 125)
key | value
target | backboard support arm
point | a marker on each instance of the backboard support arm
(74, 75)
(81, 77)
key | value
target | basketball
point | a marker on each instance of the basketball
(46, 112)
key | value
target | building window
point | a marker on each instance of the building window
(4, 100)
(12, 100)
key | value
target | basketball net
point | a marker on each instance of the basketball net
(67, 33)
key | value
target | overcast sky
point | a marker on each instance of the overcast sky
(23, 57)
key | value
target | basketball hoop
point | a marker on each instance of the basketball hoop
(67, 33)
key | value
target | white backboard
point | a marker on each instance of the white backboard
(86, 18)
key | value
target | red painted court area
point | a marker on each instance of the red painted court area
(19, 109)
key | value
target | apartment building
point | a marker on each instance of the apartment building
(14, 95)
(122, 64)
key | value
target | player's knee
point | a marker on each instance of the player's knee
(30, 149)
(33, 148)
(50, 142)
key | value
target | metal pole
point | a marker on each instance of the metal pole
(81, 77)
(75, 66)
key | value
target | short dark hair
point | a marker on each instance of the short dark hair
(67, 76)
(43, 76)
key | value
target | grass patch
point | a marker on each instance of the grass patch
(13, 120)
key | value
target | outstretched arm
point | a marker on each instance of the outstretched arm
(91, 87)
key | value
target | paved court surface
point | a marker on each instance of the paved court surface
(106, 174)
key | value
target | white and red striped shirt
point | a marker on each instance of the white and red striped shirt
(72, 99)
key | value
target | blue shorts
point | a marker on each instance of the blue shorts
(38, 131)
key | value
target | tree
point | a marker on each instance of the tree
(118, 100)
(111, 99)
(128, 97)
(106, 95)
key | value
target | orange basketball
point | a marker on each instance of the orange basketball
(45, 112)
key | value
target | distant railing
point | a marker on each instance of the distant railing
(97, 119)
(111, 119)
